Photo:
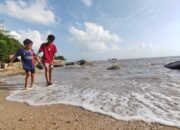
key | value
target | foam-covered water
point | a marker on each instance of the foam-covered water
(141, 90)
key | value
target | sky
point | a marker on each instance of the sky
(97, 29)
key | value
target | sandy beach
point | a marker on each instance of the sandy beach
(18, 116)
(89, 65)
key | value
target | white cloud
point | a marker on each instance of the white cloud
(142, 46)
(36, 11)
(37, 37)
(95, 38)
(87, 2)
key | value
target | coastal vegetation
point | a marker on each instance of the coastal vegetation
(8, 45)
(60, 58)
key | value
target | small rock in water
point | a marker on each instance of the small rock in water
(80, 63)
(84, 62)
(114, 67)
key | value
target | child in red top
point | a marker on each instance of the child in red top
(49, 50)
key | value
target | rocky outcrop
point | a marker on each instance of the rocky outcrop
(81, 62)
(59, 63)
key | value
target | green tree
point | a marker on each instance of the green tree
(60, 58)
(3, 50)
(8, 45)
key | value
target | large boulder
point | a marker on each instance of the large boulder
(174, 65)
(114, 67)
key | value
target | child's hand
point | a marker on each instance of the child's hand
(52, 63)
(10, 64)
(39, 66)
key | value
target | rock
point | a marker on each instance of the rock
(59, 63)
(114, 67)
(84, 62)
(70, 63)
(114, 59)
(81, 62)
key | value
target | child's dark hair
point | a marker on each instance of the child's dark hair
(27, 41)
(51, 37)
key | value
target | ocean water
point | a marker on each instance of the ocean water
(141, 90)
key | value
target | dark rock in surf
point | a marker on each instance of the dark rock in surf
(70, 63)
(174, 65)
(114, 59)
(84, 62)
(81, 62)
(114, 67)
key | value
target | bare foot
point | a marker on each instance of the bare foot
(25, 88)
(32, 86)
(49, 84)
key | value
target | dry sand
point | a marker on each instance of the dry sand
(18, 116)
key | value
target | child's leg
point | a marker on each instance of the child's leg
(32, 79)
(26, 79)
(50, 75)
(47, 73)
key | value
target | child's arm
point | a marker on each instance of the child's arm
(13, 59)
(18, 53)
(40, 50)
(53, 60)
(55, 51)
(37, 59)
(39, 65)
